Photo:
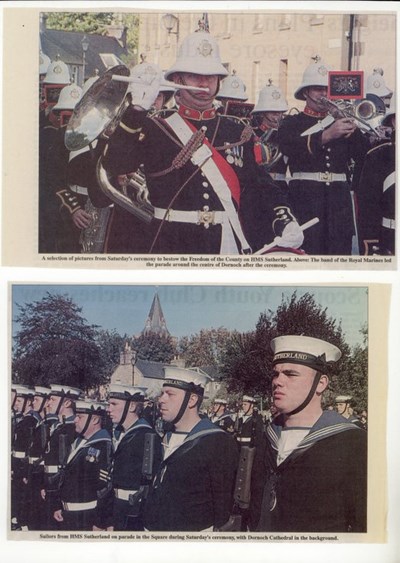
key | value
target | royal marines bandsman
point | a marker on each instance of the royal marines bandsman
(376, 194)
(200, 170)
(267, 116)
(136, 456)
(320, 150)
(192, 490)
(314, 476)
(85, 478)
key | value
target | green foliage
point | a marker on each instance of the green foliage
(248, 356)
(110, 344)
(154, 348)
(55, 344)
(205, 348)
(87, 22)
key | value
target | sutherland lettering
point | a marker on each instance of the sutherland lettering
(292, 356)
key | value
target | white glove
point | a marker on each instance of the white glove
(147, 83)
(292, 236)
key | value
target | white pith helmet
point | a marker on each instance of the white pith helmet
(199, 54)
(233, 87)
(69, 97)
(316, 74)
(57, 73)
(375, 84)
(271, 98)
(44, 63)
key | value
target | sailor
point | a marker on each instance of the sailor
(267, 116)
(320, 149)
(343, 406)
(60, 404)
(85, 481)
(221, 416)
(23, 432)
(35, 504)
(249, 426)
(136, 456)
(314, 461)
(376, 194)
(193, 488)
(201, 175)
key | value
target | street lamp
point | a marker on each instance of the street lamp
(169, 22)
(133, 362)
(85, 46)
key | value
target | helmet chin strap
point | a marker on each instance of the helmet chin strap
(310, 395)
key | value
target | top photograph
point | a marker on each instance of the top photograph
(217, 139)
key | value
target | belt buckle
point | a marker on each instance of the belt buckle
(325, 176)
(206, 217)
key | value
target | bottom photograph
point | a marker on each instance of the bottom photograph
(200, 411)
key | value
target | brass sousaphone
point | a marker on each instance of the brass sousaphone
(97, 115)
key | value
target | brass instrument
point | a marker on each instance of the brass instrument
(97, 115)
(367, 112)
(92, 238)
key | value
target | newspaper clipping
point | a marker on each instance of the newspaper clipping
(205, 413)
(244, 138)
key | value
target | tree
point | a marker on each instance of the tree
(55, 344)
(154, 348)
(86, 22)
(110, 344)
(205, 348)
(248, 358)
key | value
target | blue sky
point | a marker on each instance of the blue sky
(189, 308)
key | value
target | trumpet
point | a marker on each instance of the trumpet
(368, 112)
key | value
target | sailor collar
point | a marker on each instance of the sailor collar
(309, 111)
(190, 113)
(328, 424)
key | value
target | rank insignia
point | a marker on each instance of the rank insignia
(93, 455)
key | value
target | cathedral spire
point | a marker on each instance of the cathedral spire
(155, 322)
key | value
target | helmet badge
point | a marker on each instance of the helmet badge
(205, 48)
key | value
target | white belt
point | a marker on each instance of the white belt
(205, 218)
(74, 506)
(33, 459)
(277, 176)
(19, 455)
(78, 189)
(244, 439)
(388, 223)
(123, 494)
(319, 176)
(51, 468)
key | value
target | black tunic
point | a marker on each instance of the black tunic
(193, 488)
(376, 196)
(127, 474)
(330, 201)
(321, 486)
(86, 479)
(141, 140)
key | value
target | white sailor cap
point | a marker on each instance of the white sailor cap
(343, 399)
(42, 391)
(23, 391)
(304, 350)
(88, 406)
(248, 399)
(126, 392)
(65, 391)
(187, 379)
(220, 402)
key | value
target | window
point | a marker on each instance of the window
(109, 60)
